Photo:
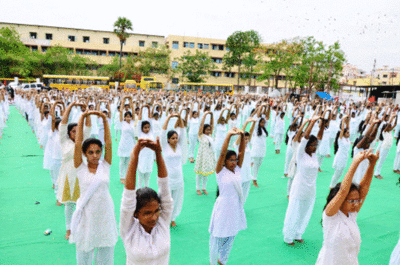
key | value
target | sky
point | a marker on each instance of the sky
(365, 29)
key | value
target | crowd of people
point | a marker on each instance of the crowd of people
(230, 135)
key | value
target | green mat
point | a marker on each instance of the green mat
(23, 181)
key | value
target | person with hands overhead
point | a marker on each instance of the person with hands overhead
(145, 215)
(342, 237)
(228, 216)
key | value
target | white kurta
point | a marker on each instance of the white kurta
(127, 142)
(228, 216)
(141, 247)
(97, 227)
(342, 155)
(258, 144)
(146, 156)
(342, 239)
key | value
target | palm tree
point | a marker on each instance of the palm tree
(120, 27)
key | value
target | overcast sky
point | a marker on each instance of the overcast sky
(366, 29)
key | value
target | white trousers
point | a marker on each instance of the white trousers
(201, 179)
(278, 140)
(123, 166)
(289, 185)
(69, 210)
(177, 196)
(298, 215)
(336, 176)
(395, 257)
(117, 133)
(220, 247)
(54, 174)
(103, 256)
(289, 155)
(382, 157)
(257, 161)
(192, 144)
(246, 189)
(396, 165)
(320, 160)
(143, 179)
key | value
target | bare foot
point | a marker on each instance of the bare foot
(116, 139)
(299, 240)
(219, 262)
(41, 147)
(199, 192)
(288, 197)
(319, 170)
(285, 175)
(291, 244)
(205, 192)
(58, 203)
(67, 234)
(328, 156)
(173, 224)
(122, 181)
(54, 186)
(379, 177)
(255, 183)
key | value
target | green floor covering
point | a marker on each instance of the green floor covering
(23, 181)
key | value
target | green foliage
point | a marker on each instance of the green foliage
(242, 51)
(195, 68)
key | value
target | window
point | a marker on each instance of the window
(217, 60)
(174, 65)
(186, 44)
(385, 76)
(206, 46)
(79, 51)
(49, 36)
(217, 47)
(175, 80)
(71, 38)
(86, 39)
(215, 73)
(175, 45)
(154, 44)
(34, 48)
(141, 43)
(199, 45)
(229, 74)
(33, 35)
(103, 53)
(111, 53)
(106, 40)
(44, 49)
(191, 45)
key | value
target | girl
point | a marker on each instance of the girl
(259, 145)
(205, 160)
(145, 215)
(174, 146)
(93, 222)
(303, 191)
(100, 121)
(194, 124)
(126, 143)
(291, 132)
(387, 142)
(342, 238)
(146, 157)
(228, 216)
(221, 131)
(279, 131)
(341, 149)
(396, 165)
(324, 148)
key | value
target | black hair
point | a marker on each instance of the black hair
(398, 136)
(287, 136)
(46, 112)
(261, 129)
(128, 113)
(194, 112)
(355, 144)
(246, 134)
(361, 127)
(171, 133)
(70, 127)
(311, 140)
(90, 141)
(335, 190)
(144, 123)
(205, 127)
(336, 144)
(57, 122)
(126, 105)
(232, 113)
(137, 108)
(144, 196)
(252, 111)
(381, 135)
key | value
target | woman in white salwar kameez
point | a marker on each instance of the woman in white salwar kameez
(395, 257)
(194, 125)
(303, 191)
(342, 239)
(279, 131)
(68, 185)
(290, 134)
(387, 142)
(126, 143)
(228, 216)
(145, 215)
(174, 145)
(220, 131)
(93, 225)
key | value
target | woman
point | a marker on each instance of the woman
(279, 131)
(342, 238)
(205, 160)
(126, 143)
(194, 124)
(341, 150)
(220, 131)
(228, 216)
(93, 225)
(145, 215)
(291, 132)
(387, 142)
(303, 191)
(174, 146)
(258, 146)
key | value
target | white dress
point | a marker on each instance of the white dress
(141, 247)
(127, 141)
(220, 135)
(258, 144)
(362, 167)
(146, 156)
(228, 216)
(342, 155)
(342, 239)
(98, 226)
(324, 148)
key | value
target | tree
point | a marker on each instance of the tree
(240, 45)
(194, 67)
(120, 29)
(153, 60)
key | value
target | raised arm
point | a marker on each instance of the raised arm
(367, 179)
(242, 148)
(67, 112)
(78, 140)
(310, 126)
